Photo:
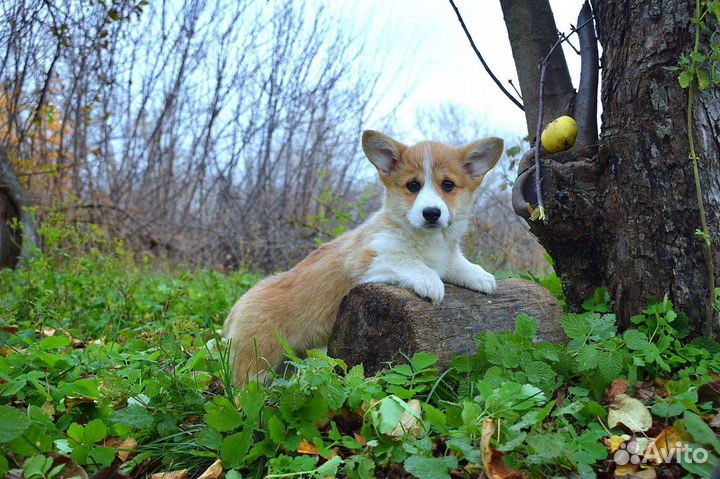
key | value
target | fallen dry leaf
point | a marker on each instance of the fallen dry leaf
(633, 471)
(365, 407)
(645, 390)
(48, 331)
(710, 391)
(649, 473)
(715, 421)
(212, 472)
(618, 386)
(127, 448)
(493, 463)
(306, 447)
(629, 412)
(181, 474)
(488, 429)
(71, 469)
(111, 472)
(14, 474)
(48, 408)
(661, 387)
(409, 423)
(666, 444)
(625, 470)
(71, 402)
(361, 440)
(613, 442)
(561, 396)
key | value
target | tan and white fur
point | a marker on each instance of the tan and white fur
(414, 241)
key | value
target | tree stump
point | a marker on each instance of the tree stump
(380, 323)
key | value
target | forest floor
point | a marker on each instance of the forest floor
(111, 369)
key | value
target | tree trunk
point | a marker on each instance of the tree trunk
(624, 214)
(531, 43)
(10, 239)
(379, 323)
(15, 246)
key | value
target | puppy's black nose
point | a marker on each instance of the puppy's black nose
(431, 214)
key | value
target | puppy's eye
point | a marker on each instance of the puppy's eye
(413, 186)
(447, 185)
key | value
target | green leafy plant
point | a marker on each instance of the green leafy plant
(106, 363)
(40, 467)
(699, 70)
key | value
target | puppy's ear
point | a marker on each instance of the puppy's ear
(480, 157)
(382, 151)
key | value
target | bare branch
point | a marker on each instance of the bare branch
(482, 60)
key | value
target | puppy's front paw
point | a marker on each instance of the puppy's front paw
(430, 287)
(478, 279)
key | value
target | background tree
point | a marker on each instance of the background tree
(623, 209)
(192, 136)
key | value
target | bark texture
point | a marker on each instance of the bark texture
(380, 323)
(10, 239)
(624, 215)
(651, 244)
(532, 39)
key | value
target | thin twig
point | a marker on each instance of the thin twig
(514, 88)
(482, 60)
(35, 116)
(576, 50)
(709, 325)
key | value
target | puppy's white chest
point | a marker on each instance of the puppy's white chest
(434, 250)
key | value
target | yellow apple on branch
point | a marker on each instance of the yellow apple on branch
(559, 135)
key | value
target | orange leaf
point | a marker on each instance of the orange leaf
(613, 442)
(306, 447)
(666, 444)
(618, 386)
(495, 467)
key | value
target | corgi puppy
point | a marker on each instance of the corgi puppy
(414, 241)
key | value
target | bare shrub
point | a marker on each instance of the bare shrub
(202, 130)
(210, 132)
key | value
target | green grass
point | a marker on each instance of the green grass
(97, 353)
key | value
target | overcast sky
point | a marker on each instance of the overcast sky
(428, 59)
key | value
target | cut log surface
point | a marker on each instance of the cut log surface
(379, 324)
